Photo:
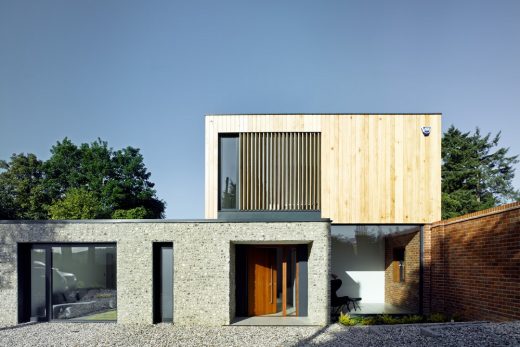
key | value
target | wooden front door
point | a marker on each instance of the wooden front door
(262, 286)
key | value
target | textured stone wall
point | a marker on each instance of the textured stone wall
(403, 294)
(203, 263)
(475, 265)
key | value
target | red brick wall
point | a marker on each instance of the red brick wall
(426, 280)
(472, 265)
(403, 294)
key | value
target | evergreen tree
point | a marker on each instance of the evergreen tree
(476, 173)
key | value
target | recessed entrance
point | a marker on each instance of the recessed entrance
(270, 279)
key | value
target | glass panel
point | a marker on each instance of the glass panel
(167, 284)
(84, 283)
(287, 256)
(377, 268)
(279, 280)
(228, 172)
(291, 282)
(38, 309)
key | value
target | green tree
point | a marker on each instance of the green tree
(133, 213)
(115, 180)
(70, 166)
(130, 186)
(476, 173)
(22, 195)
(119, 179)
(78, 203)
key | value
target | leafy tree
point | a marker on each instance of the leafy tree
(21, 192)
(75, 177)
(71, 166)
(119, 179)
(476, 173)
(130, 186)
(133, 213)
(78, 203)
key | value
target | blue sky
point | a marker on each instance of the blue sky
(143, 73)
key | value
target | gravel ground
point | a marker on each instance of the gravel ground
(96, 334)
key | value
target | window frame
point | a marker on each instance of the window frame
(25, 277)
(219, 197)
(398, 261)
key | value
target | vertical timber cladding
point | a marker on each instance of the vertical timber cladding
(375, 168)
(279, 171)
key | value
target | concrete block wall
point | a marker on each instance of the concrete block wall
(203, 263)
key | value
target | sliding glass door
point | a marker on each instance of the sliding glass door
(69, 282)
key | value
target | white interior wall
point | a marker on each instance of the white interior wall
(370, 284)
(359, 261)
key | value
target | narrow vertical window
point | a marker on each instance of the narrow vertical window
(38, 298)
(163, 282)
(398, 265)
(228, 172)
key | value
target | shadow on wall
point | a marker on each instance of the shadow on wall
(402, 271)
(359, 263)
(364, 258)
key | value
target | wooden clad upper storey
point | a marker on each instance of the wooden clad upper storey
(372, 168)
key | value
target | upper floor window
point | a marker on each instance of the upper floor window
(228, 172)
(270, 171)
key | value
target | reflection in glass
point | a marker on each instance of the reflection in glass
(167, 284)
(228, 175)
(291, 281)
(38, 310)
(286, 264)
(365, 259)
(84, 282)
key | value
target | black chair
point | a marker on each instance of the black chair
(337, 303)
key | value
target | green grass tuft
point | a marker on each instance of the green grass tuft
(346, 320)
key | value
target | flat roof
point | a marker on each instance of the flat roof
(325, 114)
(108, 221)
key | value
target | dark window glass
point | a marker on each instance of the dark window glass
(398, 264)
(228, 175)
(167, 284)
(162, 282)
(84, 283)
(38, 303)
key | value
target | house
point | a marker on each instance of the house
(290, 200)
(377, 178)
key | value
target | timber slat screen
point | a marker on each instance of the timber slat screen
(279, 171)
